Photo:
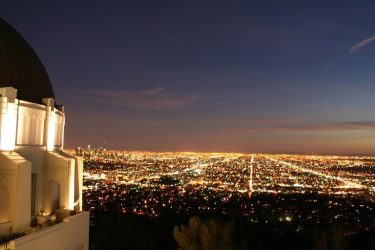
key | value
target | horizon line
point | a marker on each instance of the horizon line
(244, 153)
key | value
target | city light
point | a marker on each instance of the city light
(263, 188)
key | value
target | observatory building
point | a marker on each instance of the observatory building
(40, 184)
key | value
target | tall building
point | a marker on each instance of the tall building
(40, 184)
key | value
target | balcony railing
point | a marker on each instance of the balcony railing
(39, 223)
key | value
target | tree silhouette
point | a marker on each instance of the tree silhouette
(205, 235)
(333, 239)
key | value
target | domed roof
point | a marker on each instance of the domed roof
(21, 68)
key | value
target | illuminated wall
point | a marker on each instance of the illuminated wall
(8, 123)
(31, 121)
(37, 179)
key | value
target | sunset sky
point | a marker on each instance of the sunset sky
(238, 76)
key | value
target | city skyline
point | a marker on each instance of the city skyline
(212, 76)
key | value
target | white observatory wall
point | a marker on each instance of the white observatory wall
(39, 139)
(30, 129)
(78, 180)
(31, 157)
(8, 123)
(60, 169)
(38, 125)
(15, 172)
(59, 128)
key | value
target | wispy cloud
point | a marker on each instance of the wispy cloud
(359, 125)
(361, 44)
(154, 99)
(338, 126)
(293, 125)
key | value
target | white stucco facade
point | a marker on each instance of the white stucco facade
(40, 185)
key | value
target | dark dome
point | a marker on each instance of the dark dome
(21, 68)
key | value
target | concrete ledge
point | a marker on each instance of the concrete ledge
(69, 234)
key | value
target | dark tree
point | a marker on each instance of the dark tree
(205, 235)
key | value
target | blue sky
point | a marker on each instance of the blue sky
(244, 76)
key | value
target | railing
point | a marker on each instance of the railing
(4, 242)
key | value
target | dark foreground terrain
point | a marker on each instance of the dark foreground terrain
(121, 231)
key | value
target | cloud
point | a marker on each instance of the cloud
(359, 125)
(361, 44)
(337, 126)
(153, 99)
(257, 127)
